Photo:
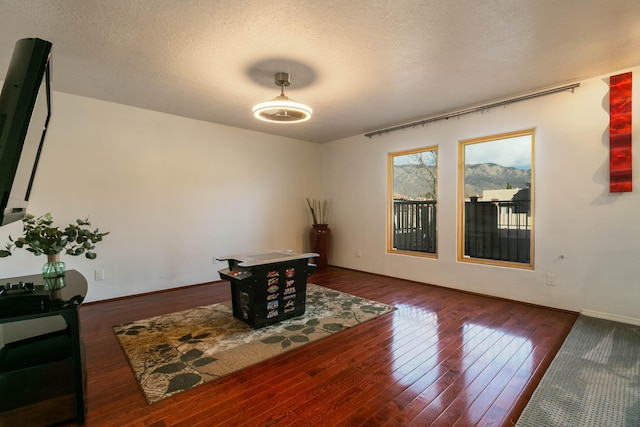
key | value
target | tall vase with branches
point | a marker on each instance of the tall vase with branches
(320, 233)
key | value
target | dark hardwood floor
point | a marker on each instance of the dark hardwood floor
(442, 358)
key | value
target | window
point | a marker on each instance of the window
(412, 201)
(495, 195)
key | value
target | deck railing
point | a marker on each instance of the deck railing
(414, 225)
(499, 230)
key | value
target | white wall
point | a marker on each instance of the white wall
(173, 192)
(576, 217)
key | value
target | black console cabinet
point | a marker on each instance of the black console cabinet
(42, 378)
(268, 288)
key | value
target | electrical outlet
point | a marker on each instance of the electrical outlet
(99, 275)
(358, 253)
(551, 279)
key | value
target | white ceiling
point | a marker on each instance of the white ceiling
(361, 65)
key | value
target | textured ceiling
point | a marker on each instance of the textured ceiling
(361, 65)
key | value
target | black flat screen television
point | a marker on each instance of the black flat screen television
(25, 109)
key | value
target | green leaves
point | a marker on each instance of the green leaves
(41, 237)
(273, 339)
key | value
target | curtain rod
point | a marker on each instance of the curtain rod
(469, 110)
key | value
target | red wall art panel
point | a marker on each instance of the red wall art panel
(620, 133)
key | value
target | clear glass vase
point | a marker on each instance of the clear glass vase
(53, 272)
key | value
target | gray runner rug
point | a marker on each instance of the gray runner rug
(594, 380)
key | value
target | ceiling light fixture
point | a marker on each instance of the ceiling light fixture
(282, 109)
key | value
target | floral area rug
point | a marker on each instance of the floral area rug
(172, 353)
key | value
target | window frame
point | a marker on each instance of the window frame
(390, 203)
(462, 144)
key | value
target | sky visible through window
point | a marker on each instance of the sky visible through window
(412, 159)
(510, 152)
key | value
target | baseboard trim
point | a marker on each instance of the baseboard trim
(142, 294)
(609, 316)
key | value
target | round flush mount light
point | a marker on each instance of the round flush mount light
(282, 109)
